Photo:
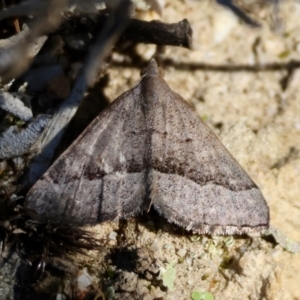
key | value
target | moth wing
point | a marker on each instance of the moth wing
(101, 175)
(196, 182)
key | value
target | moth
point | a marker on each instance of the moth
(150, 148)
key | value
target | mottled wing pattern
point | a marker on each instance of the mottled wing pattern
(150, 148)
(101, 176)
(196, 183)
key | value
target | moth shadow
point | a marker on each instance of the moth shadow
(164, 63)
(132, 263)
(124, 258)
(154, 222)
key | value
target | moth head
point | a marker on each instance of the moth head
(152, 69)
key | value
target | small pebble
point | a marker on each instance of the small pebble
(154, 247)
(181, 252)
(84, 280)
(113, 236)
(189, 261)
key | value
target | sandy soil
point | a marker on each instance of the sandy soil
(243, 82)
(253, 104)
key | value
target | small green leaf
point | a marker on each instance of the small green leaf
(202, 296)
(109, 293)
(109, 272)
(208, 296)
(284, 54)
(204, 118)
(168, 275)
(195, 238)
(196, 295)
